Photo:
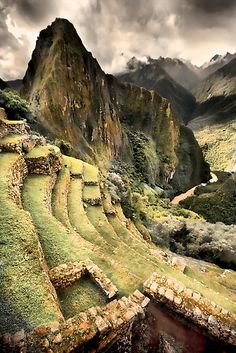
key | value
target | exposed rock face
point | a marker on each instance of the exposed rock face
(181, 72)
(153, 76)
(76, 101)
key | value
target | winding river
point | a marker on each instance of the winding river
(176, 200)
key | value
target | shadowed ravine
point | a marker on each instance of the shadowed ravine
(176, 200)
(185, 337)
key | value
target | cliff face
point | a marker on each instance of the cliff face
(156, 75)
(214, 119)
(102, 118)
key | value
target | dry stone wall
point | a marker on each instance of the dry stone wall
(9, 128)
(66, 274)
(22, 145)
(16, 177)
(89, 332)
(201, 311)
(45, 164)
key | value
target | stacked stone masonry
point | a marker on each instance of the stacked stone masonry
(202, 312)
(99, 325)
(24, 144)
(16, 177)
(93, 202)
(8, 127)
(45, 164)
(66, 274)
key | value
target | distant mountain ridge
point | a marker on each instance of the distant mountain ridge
(214, 118)
(216, 62)
(152, 75)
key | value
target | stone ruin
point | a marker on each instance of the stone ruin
(204, 313)
(89, 331)
(66, 274)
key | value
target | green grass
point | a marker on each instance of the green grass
(79, 296)
(130, 257)
(13, 122)
(76, 166)
(209, 279)
(91, 192)
(79, 219)
(59, 195)
(90, 174)
(59, 244)
(42, 151)
(12, 139)
(124, 279)
(25, 297)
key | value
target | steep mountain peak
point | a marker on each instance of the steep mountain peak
(75, 101)
(216, 58)
(60, 29)
(216, 62)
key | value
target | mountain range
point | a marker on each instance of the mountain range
(201, 97)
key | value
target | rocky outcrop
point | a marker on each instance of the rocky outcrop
(201, 311)
(76, 101)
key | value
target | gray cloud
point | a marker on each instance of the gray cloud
(212, 7)
(115, 30)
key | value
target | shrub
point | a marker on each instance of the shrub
(16, 107)
(65, 147)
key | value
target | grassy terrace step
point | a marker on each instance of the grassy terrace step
(90, 174)
(130, 255)
(42, 151)
(26, 298)
(59, 244)
(46, 160)
(126, 280)
(76, 166)
(92, 194)
(16, 143)
(79, 219)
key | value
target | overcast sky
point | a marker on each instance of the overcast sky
(116, 30)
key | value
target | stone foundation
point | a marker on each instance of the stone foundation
(191, 305)
(66, 274)
(16, 128)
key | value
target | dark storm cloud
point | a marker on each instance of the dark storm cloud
(212, 7)
(115, 30)
(30, 10)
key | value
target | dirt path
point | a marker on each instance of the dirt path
(176, 200)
